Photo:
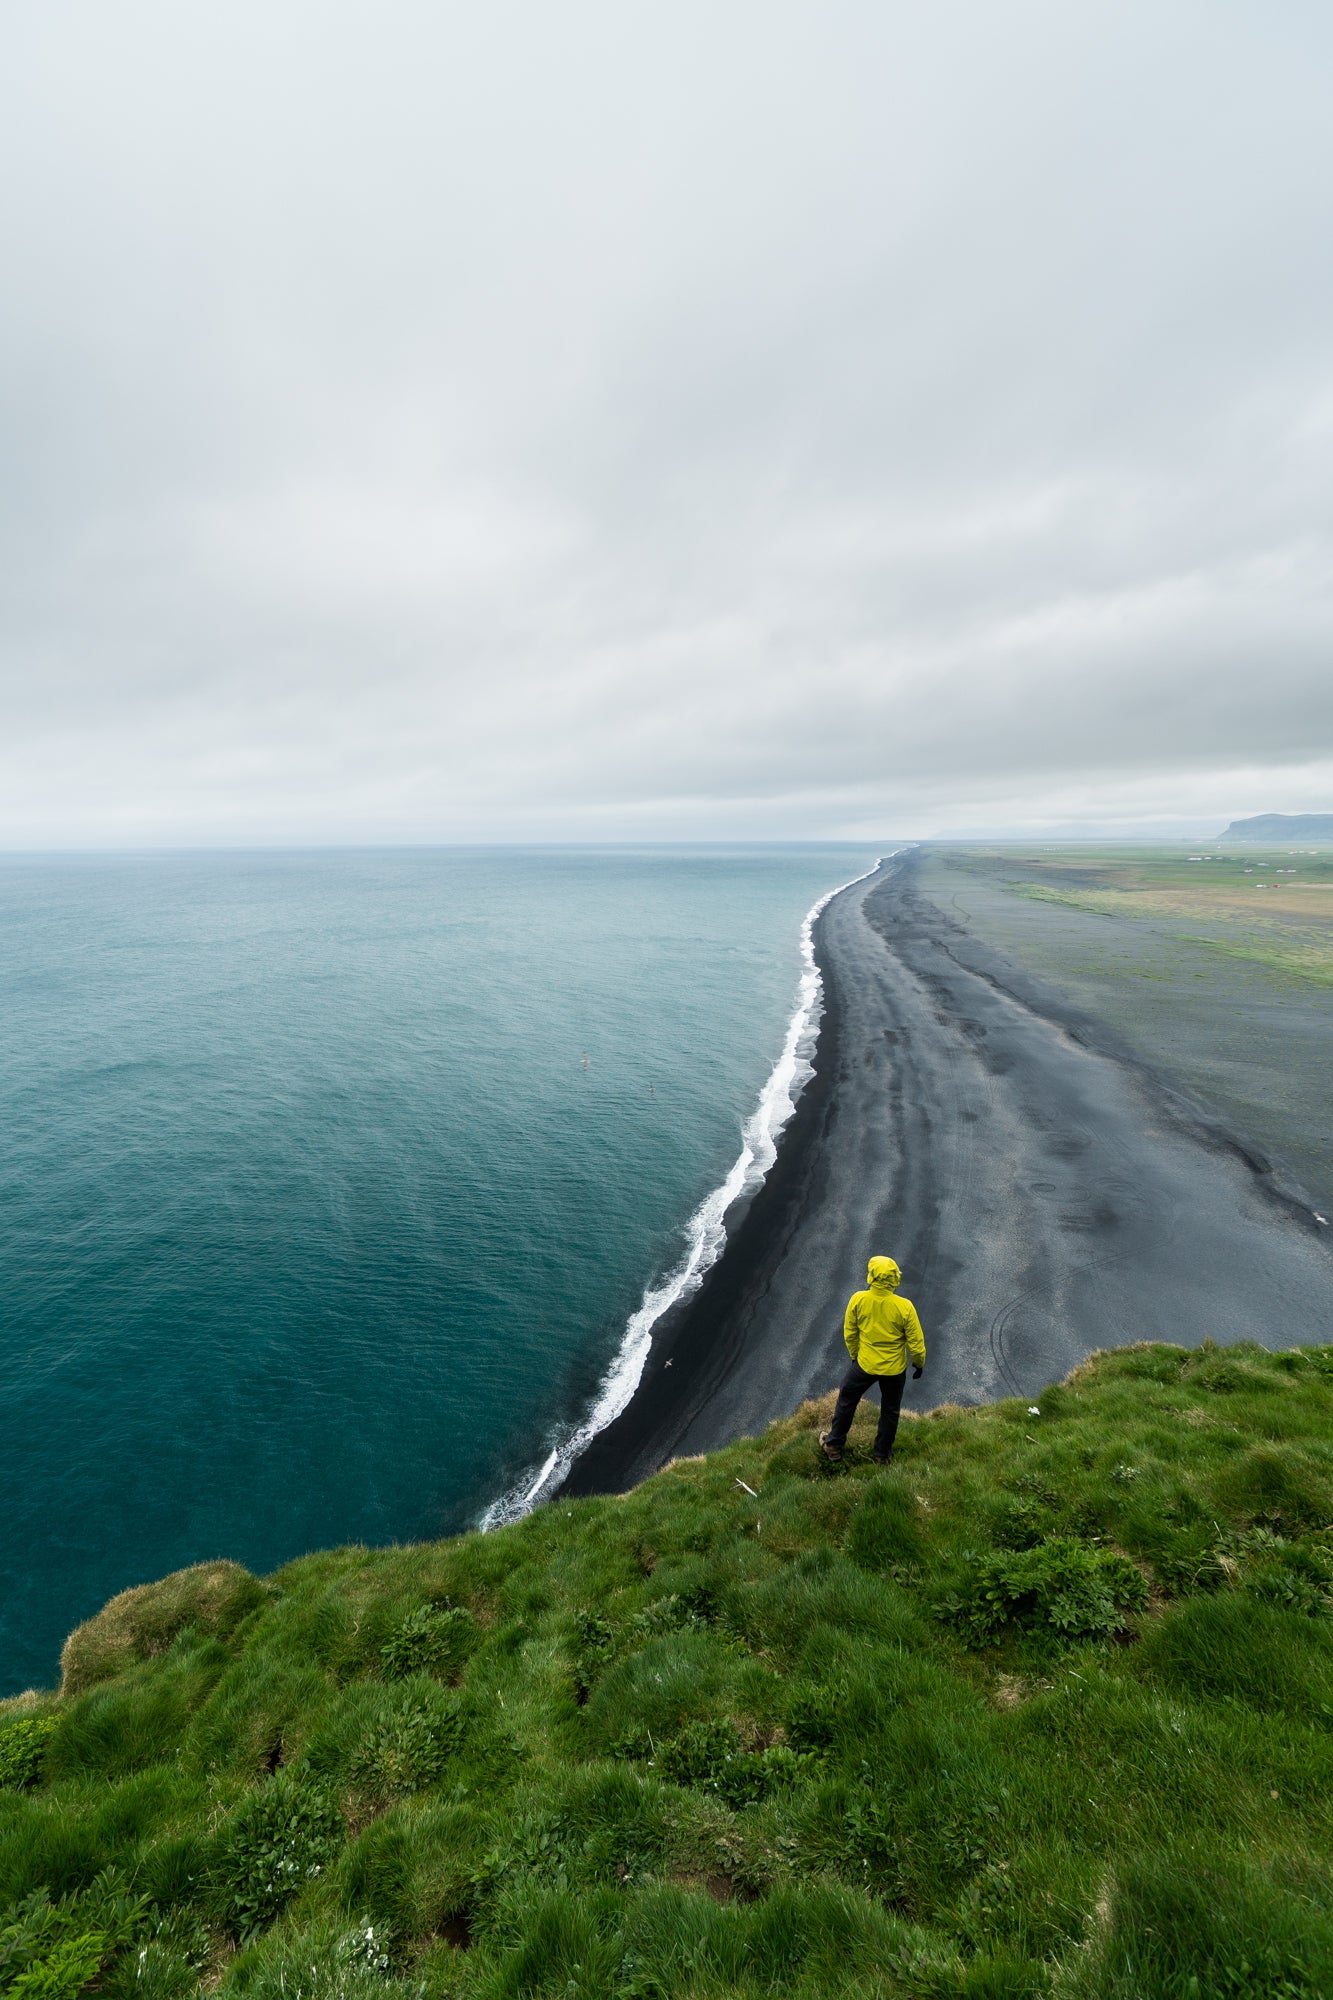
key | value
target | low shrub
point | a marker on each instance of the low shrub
(429, 1641)
(597, 1642)
(535, 1843)
(1023, 1523)
(1073, 1590)
(1296, 1574)
(407, 1747)
(277, 1840)
(21, 1747)
(709, 1756)
(51, 1951)
(673, 1613)
(61, 1967)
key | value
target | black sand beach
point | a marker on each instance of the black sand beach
(1044, 1190)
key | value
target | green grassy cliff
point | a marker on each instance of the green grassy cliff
(1046, 1708)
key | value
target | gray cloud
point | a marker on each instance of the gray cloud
(592, 421)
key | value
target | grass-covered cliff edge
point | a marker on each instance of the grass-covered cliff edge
(1045, 1708)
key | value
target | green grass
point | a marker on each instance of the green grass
(1045, 1709)
(1274, 907)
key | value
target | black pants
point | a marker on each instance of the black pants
(854, 1385)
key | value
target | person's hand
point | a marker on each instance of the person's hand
(917, 1372)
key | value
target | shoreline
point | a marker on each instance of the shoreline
(1045, 1194)
(691, 1352)
(710, 1231)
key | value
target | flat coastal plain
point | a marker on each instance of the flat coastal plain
(1051, 1180)
(1215, 970)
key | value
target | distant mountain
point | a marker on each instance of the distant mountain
(1282, 826)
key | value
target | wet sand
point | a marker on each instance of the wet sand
(1045, 1192)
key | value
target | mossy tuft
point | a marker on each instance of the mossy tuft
(210, 1598)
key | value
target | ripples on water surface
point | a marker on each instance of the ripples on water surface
(315, 1228)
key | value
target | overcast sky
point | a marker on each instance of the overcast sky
(590, 421)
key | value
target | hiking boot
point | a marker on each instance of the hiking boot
(884, 1458)
(831, 1451)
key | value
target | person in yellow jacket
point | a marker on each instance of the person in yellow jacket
(880, 1330)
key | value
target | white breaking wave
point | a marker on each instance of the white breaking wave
(705, 1232)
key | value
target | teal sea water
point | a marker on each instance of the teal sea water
(315, 1225)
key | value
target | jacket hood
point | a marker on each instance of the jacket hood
(883, 1274)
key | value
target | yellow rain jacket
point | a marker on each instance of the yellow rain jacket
(880, 1327)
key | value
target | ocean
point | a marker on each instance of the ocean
(339, 1189)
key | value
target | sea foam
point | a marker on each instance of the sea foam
(705, 1232)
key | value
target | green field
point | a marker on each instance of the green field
(1046, 1708)
(1271, 905)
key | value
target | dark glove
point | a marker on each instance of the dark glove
(917, 1372)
